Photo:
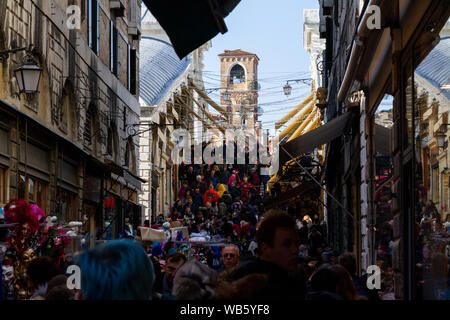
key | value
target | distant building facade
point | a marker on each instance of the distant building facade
(168, 102)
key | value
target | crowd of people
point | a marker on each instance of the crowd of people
(242, 251)
(234, 248)
(123, 269)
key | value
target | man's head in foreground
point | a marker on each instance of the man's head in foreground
(277, 240)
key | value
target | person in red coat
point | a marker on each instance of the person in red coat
(245, 189)
(210, 195)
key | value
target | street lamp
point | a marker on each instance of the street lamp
(288, 89)
(28, 76)
(441, 139)
(440, 136)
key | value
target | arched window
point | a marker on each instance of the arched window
(237, 74)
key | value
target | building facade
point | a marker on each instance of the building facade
(384, 55)
(169, 101)
(68, 147)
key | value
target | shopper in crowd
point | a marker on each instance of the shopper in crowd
(210, 195)
(277, 243)
(194, 281)
(173, 263)
(230, 257)
(40, 271)
(348, 261)
(190, 176)
(183, 190)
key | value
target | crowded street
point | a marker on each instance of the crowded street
(224, 151)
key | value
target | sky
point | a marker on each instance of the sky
(273, 30)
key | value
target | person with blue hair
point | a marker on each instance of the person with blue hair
(118, 270)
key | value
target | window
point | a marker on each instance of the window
(114, 49)
(93, 25)
(424, 121)
(67, 206)
(237, 74)
(3, 185)
(33, 190)
(131, 71)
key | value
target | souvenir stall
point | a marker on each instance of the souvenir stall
(169, 240)
(27, 234)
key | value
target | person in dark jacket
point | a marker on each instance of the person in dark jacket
(303, 233)
(348, 261)
(197, 200)
(277, 242)
(191, 176)
(323, 285)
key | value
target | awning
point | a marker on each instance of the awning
(208, 99)
(311, 140)
(191, 23)
(293, 112)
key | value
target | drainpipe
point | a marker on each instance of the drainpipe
(357, 49)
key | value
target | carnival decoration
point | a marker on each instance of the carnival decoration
(32, 234)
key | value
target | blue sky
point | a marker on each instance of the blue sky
(274, 31)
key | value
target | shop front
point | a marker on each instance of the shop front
(92, 203)
(407, 183)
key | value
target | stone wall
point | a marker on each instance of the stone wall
(73, 77)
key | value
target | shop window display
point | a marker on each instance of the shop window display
(431, 109)
(383, 196)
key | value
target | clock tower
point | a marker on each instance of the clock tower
(239, 87)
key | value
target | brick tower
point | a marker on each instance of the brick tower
(239, 87)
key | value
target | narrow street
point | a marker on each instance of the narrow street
(224, 150)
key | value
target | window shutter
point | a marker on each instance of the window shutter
(128, 67)
(133, 66)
